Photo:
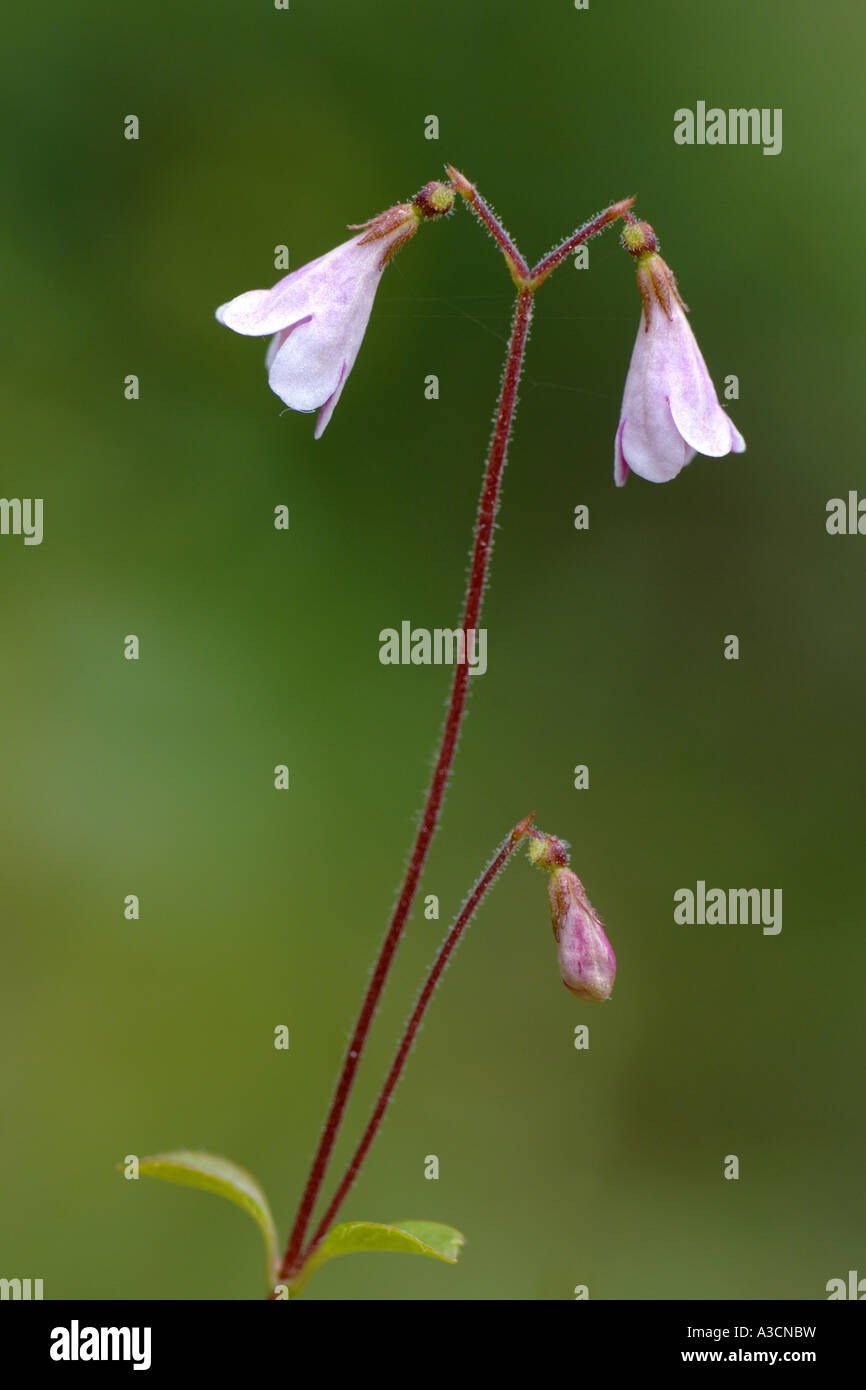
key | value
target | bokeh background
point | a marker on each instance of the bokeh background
(605, 1167)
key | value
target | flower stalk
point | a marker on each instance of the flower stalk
(497, 863)
(526, 283)
(548, 263)
(433, 804)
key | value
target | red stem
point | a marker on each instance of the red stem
(549, 262)
(474, 595)
(445, 951)
(516, 264)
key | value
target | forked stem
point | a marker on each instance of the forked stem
(505, 851)
(527, 282)
(433, 805)
(540, 272)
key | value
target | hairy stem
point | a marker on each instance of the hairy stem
(515, 262)
(430, 815)
(527, 282)
(540, 272)
(446, 950)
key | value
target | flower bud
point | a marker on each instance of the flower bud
(586, 959)
(435, 199)
(546, 852)
(655, 279)
(638, 238)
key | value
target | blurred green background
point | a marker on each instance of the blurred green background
(261, 127)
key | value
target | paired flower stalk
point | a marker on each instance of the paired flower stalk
(316, 318)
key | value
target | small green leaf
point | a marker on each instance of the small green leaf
(442, 1241)
(220, 1175)
(410, 1237)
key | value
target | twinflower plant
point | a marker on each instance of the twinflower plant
(315, 319)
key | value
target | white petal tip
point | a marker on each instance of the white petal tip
(620, 467)
(738, 443)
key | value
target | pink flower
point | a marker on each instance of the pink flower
(587, 963)
(670, 410)
(318, 314)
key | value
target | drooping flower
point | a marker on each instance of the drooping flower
(670, 410)
(318, 314)
(587, 962)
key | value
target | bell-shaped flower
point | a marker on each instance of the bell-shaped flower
(317, 314)
(670, 410)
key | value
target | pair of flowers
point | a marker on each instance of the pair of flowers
(317, 315)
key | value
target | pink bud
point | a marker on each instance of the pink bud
(586, 959)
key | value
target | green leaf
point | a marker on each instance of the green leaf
(410, 1238)
(220, 1175)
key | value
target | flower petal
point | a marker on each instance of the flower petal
(316, 316)
(310, 367)
(620, 467)
(328, 408)
(275, 344)
(329, 280)
(313, 362)
(302, 376)
(243, 309)
(694, 405)
(649, 441)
